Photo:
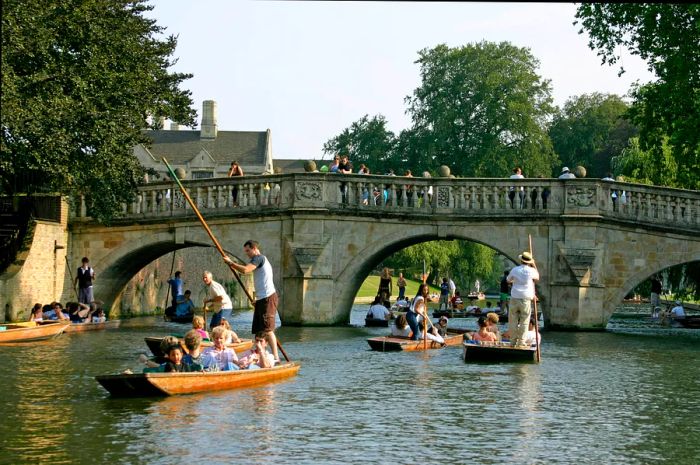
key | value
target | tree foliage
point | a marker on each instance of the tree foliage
(645, 166)
(481, 109)
(366, 141)
(79, 81)
(667, 36)
(590, 130)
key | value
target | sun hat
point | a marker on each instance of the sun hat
(678, 302)
(565, 170)
(526, 257)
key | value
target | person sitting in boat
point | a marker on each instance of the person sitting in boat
(37, 313)
(489, 308)
(531, 334)
(441, 327)
(198, 325)
(412, 313)
(225, 358)
(456, 302)
(378, 311)
(231, 336)
(99, 316)
(401, 327)
(55, 312)
(677, 312)
(257, 357)
(194, 357)
(185, 306)
(78, 312)
(174, 363)
(492, 324)
(153, 367)
(484, 335)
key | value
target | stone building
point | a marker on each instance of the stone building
(207, 153)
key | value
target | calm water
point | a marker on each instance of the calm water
(596, 398)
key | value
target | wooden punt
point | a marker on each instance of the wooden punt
(153, 344)
(80, 327)
(31, 331)
(689, 321)
(376, 323)
(169, 384)
(394, 343)
(475, 352)
(181, 319)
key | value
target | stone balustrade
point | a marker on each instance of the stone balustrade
(394, 195)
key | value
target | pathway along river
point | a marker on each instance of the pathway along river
(596, 398)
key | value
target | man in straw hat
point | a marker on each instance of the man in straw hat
(523, 279)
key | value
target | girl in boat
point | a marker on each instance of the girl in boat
(421, 311)
(198, 325)
(492, 324)
(484, 334)
(37, 313)
(257, 357)
(401, 327)
(226, 359)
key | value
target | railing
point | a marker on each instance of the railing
(391, 195)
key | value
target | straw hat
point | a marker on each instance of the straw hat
(526, 258)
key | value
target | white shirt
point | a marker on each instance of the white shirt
(522, 278)
(678, 311)
(568, 175)
(215, 290)
(400, 332)
(378, 312)
(517, 176)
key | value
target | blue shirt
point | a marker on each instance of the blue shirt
(175, 286)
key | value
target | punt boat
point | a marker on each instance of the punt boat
(90, 326)
(153, 344)
(396, 343)
(169, 384)
(689, 321)
(31, 331)
(473, 351)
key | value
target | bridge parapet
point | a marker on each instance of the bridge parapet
(370, 194)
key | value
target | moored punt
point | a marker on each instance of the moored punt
(79, 327)
(168, 384)
(689, 321)
(153, 344)
(494, 352)
(376, 323)
(31, 331)
(394, 343)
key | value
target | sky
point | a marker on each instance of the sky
(306, 70)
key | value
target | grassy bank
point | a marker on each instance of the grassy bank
(371, 284)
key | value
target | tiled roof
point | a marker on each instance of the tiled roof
(179, 147)
(289, 166)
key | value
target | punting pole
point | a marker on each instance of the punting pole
(213, 239)
(537, 325)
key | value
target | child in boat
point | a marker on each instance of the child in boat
(531, 335)
(99, 316)
(198, 325)
(225, 358)
(174, 363)
(231, 336)
(194, 357)
(258, 356)
(185, 306)
(457, 302)
(77, 312)
(401, 327)
(37, 313)
(421, 310)
(441, 327)
(492, 324)
(165, 345)
(484, 334)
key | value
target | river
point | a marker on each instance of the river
(596, 398)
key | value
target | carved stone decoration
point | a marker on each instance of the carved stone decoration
(580, 196)
(579, 263)
(308, 191)
(443, 197)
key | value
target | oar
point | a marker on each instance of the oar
(537, 325)
(213, 239)
(70, 273)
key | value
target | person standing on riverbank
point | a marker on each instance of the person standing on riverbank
(221, 302)
(266, 298)
(523, 278)
(84, 279)
(401, 284)
(385, 287)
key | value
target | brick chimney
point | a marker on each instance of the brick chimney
(208, 120)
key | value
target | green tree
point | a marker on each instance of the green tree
(79, 80)
(481, 109)
(646, 167)
(667, 36)
(590, 130)
(366, 141)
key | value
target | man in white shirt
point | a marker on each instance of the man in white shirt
(566, 174)
(219, 300)
(678, 312)
(523, 279)
(378, 311)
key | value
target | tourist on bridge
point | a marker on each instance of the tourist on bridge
(265, 294)
(219, 300)
(345, 167)
(235, 170)
(523, 278)
(84, 279)
(517, 174)
(566, 174)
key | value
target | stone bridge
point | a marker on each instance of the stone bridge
(594, 240)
